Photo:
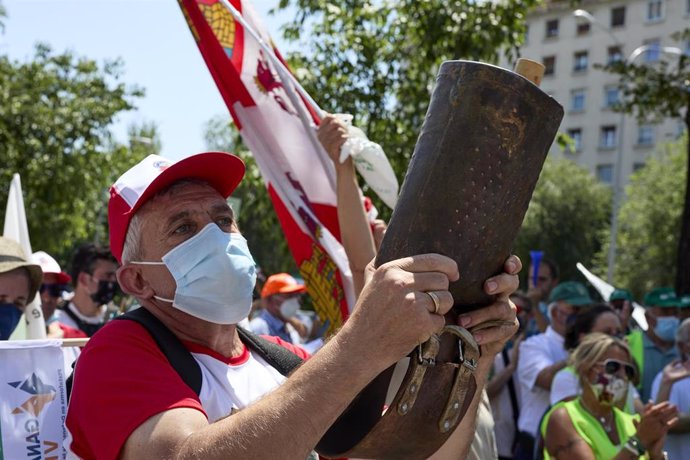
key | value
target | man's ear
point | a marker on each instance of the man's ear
(132, 282)
(83, 278)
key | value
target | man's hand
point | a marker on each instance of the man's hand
(394, 312)
(332, 133)
(676, 370)
(493, 339)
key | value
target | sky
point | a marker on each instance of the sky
(158, 51)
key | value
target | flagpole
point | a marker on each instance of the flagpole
(274, 59)
(291, 86)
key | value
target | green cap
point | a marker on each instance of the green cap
(684, 301)
(661, 297)
(621, 294)
(572, 292)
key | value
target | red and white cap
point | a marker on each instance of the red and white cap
(135, 187)
(50, 265)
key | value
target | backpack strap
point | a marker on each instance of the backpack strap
(179, 357)
(279, 358)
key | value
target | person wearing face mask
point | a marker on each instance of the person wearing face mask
(591, 426)
(541, 357)
(95, 284)
(55, 285)
(597, 318)
(19, 282)
(654, 348)
(185, 261)
(281, 300)
(673, 384)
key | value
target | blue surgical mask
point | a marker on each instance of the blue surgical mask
(9, 318)
(666, 327)
(215, 275)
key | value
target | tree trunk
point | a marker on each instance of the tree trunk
(683, 266)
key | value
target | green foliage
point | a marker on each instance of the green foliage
(55, 113)
(378, 59)
(650, 222)
(257, 219)
(566, 217)
(657, 91)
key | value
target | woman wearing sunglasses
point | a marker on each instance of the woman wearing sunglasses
(591, 427)
(566, 384)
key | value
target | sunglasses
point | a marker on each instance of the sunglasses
(53, 290)
(612, 366)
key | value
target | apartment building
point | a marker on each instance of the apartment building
(570, 45)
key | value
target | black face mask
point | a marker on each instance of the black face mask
(106, 292)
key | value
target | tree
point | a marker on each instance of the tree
(378, 59)
(654, 92)
(55, 114)
(650, 222)
(257, 220)
(566, 217)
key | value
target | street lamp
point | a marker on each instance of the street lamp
(617, 167)
(587, 16)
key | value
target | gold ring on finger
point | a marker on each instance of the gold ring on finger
(435, 300)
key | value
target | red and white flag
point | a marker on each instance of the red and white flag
(274, 123)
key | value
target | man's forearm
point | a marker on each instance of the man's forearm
(355, 232)
(545, 377)
(293, 418)
(498, 381)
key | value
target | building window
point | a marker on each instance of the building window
(653, 52)
(577, 100)
(655, 10)
(687, 7)
(638, 166)
(549, 65)
(580, 60)
(583, 27)
(618, 16)
(576, 135)
(614, 54)
(608, 137)
(605, 173)
(552, 28)
(645, 135)
(611, 96)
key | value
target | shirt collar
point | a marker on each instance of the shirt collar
(274, 323)
(551, 334)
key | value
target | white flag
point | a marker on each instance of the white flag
(16, 228)
(33, 400)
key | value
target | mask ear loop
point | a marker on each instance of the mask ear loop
(162, 299)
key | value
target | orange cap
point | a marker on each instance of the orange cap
(281, 283)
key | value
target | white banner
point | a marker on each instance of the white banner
(33, 400)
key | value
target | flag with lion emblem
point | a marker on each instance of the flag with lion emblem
(272, 120)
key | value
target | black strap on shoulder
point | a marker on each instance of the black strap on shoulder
(279, 358)
(513, 397)
(88, 329)
(179, 357)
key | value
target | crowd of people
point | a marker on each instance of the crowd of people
(582, 379)
(579, 379)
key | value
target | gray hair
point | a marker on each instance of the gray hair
(132, 250)
(683, 332)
